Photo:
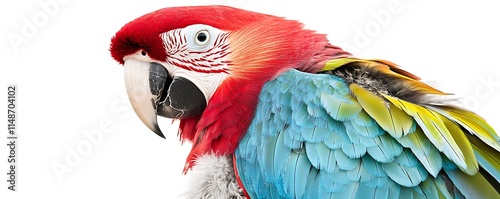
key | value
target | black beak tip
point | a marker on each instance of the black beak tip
(158, 132)
(161, 135)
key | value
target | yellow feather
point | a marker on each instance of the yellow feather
(475, 186)
(472, 122)
(391, 119)
(433, 128)
(335, 63)
(490, 157)
(464, 144)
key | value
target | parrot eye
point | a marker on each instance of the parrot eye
(202, 37)
(143, 53)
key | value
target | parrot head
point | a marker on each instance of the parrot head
(206, 65)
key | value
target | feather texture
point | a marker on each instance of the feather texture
(213, 177)
(344, 140)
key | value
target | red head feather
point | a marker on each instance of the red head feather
(262, 46)
(144, 32)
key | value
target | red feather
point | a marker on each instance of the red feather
(260, 52)
(262, 47)
(144, 32)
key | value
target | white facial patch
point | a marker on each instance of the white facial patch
(206, 82)
(199, 53)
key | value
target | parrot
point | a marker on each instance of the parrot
(274, 110)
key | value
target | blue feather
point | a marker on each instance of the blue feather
(374, 168)
(313, 154)
(296, 172)
(367, 130)
(429, 189)
(405, 170)
(349, 191)
(312, 187)
(328, 160)
(359, 174)
(406, 193)
(328, 184)
(316, 111)
(383, 151)
(365, 191)
(354, 136)
(279, 158)
(394, 189)
(344, 162)
(353, 150)
(315, 134)
(268, 152)
(292, 138)
(310, 138)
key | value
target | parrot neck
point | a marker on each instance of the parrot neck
(224, 122)
(284, 45)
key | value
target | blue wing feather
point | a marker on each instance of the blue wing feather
(385, 149)
(310, 138)
(344, 162)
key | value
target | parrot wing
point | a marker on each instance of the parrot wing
(322, 136)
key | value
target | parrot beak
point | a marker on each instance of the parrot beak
(152, 91)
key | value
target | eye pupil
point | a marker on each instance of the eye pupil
(201, 37)
(143, 53)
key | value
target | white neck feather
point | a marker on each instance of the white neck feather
(213, 177)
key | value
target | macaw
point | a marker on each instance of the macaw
(273, 110)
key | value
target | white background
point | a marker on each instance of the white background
(69, 84)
